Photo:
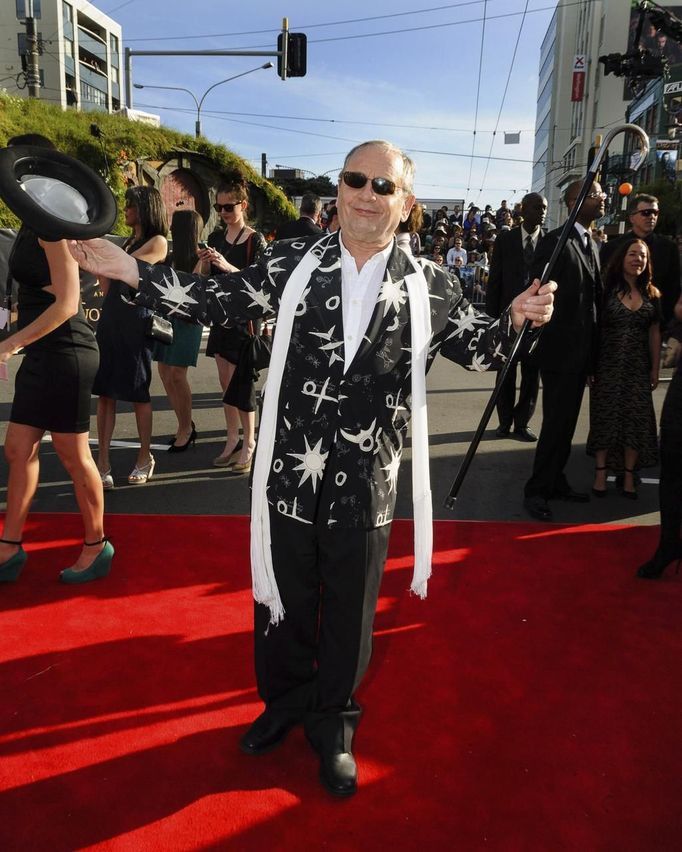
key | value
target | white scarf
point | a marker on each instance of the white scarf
(265, 589)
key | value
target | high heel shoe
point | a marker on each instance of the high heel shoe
(599, 492)
(98, 568)
(180, 448)
(11, 568)
(654, 568)
(631, 495)
(226, 460)
(142, 473)
(238, 469)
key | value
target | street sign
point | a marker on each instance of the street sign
(672, 88)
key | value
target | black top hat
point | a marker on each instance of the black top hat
(55, 195)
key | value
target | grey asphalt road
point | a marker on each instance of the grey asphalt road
(187, 483)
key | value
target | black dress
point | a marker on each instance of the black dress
(125, 370)
(621, 408)
(230, 341)
(54, 382)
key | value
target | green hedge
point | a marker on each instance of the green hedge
(123, 139)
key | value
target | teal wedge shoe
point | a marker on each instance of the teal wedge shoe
(11, 568)
(99, 568)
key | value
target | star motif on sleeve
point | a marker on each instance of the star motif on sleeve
(392, 469)
(258, 297)
(312, 463)
(174, 293)
(392, 293)
(466, 322)
(479, 363)
(273, 267)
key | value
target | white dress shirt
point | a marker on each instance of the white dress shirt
(359, 293)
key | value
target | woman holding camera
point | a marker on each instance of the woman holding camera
(230, 250)
(125, 369)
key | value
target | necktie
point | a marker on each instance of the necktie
(528, 252)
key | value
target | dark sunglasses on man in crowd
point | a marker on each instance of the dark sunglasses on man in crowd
(381, 186)
(650, 211)
(228, 208)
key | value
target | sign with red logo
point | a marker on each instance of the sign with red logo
(578, 84)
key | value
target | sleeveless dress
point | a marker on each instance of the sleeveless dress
(125, 369)
(229, 341)
(621, 408)
(54, 382)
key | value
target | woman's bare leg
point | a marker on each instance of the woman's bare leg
(22, 445)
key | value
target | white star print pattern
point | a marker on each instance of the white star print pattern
(312, 463)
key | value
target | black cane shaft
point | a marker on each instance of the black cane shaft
(520, 338)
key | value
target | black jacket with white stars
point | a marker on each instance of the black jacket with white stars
(339, 435)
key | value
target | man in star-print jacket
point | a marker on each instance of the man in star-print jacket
(344, 405)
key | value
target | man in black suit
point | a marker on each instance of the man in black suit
(308, 223)
(509, 275)
(565, 351)
(643, 213)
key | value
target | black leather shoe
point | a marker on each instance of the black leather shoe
(571, 496)
(502, 432)
(538, 508)
(525, 434)
(265, 734)
(339, 774)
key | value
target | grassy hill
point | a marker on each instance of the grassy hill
(123, 140)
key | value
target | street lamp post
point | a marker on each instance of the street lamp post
(199, 102)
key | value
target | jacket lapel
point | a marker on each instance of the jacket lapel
(577, 244)
(391, 309)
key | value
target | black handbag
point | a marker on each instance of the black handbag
(257, 350)
(159, 328)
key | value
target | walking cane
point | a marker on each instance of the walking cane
(593, 168)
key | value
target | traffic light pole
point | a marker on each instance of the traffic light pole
(281, 54)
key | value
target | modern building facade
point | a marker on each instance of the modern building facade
(80, 50)
(571, 111)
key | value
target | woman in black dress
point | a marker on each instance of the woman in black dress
(622, 419)
(670, 487)
(125, 370)
(230, 250)
(51, 394)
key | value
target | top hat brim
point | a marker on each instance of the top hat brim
(88, 198)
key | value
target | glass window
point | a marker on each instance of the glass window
(114, 44)
(67, 12)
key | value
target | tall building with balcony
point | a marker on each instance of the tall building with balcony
(80, 53)
(570, 116)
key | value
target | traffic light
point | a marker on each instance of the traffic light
(296, 54)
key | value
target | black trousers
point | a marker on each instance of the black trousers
(562, 394)
(309, 665)
(518, 415)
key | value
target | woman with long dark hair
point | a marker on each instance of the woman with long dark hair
(622, 420)
(125, 369)
(51, 394)
(230, 250)
(174, 359)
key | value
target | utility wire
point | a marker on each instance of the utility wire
(504, 96)
(478, 94)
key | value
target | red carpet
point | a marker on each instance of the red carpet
(532, 702)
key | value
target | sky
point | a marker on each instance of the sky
(375, 70)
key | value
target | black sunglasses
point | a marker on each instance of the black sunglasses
(650, 211)
(228, 208)
(381, 186)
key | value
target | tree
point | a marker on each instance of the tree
(321, 186)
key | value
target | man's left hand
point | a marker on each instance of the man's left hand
(535, 304)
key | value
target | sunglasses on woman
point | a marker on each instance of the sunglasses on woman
(381, 186)
(228, 208)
